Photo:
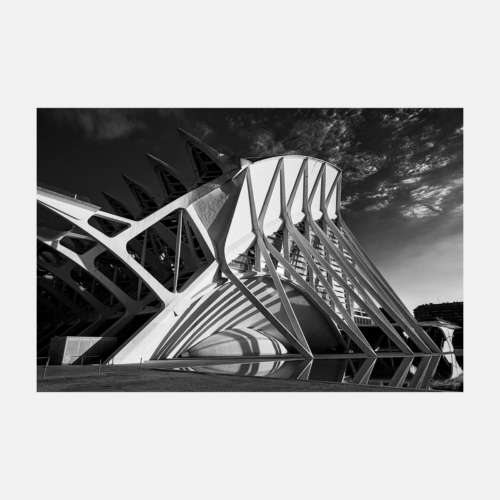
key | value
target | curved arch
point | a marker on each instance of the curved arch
(237, 342)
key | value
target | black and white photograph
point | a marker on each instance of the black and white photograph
(250, 247)
(234, 246)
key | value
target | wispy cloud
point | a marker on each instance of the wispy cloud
(423, 201)
(427, 201)
(378, 206)
(411, 180)
(426, 147)
(418, 211)
(102, 124)
(348, 200)
(432, 196)
(385, 192)
(409, 166)
(358, 167)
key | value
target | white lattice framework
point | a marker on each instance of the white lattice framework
(176, 252)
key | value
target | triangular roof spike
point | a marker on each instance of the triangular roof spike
(223, 159)
(155, 161)
(148, 190)
(187, 137)
(135, 184)
(160, 167)
(113, 199)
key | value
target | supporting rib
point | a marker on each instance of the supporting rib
(178, 250)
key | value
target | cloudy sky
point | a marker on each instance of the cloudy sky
(403, 171)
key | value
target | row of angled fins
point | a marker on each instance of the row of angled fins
(208, 164)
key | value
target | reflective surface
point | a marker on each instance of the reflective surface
(416, 372)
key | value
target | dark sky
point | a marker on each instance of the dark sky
(403, 171)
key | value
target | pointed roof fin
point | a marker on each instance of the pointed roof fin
(155, 161)
(136, 187)
(223, 159)
(116, 204)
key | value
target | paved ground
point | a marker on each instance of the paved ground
(158, 377)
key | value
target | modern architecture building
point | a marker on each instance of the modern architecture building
(449, 311)
(234, 257)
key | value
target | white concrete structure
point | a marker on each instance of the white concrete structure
(258, 246)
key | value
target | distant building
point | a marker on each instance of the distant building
(449, 311)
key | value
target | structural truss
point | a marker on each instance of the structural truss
(233, 257)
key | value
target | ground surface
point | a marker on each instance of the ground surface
(158, 377)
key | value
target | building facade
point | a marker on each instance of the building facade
(449, 311)
(235, 257)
